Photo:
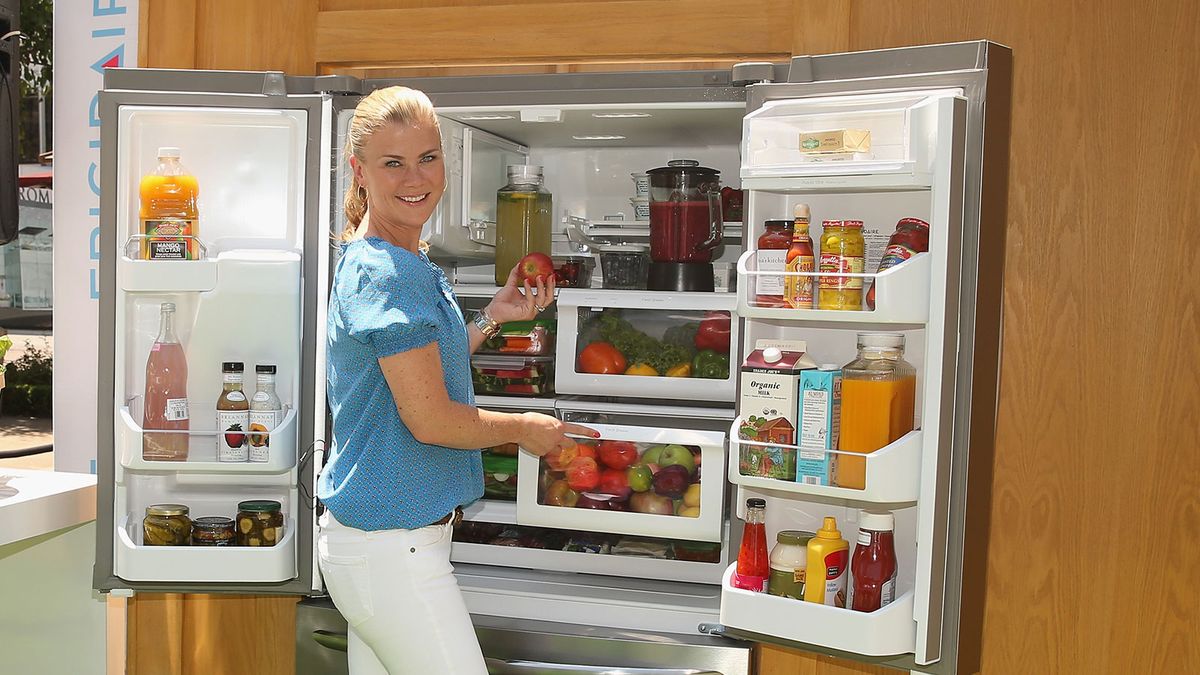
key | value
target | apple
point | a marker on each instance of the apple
(689, 511)
(671, 481)
(639, 478)
(535, 265)
(586, 502)
(559, 459)
(618, 505)
(677, 455)
(691, 497)
(560, 494)
(648, 502)
(618, 454)
(653, 455)
(586, 450)
(583, 474)
(614, 482)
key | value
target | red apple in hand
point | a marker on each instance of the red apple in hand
(535, 265)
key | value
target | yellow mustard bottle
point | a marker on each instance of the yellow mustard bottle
(828, 562)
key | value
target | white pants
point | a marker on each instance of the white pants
(397, 591)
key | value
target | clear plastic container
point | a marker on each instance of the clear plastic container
(524, 338)
(513, 375)
(624, 266)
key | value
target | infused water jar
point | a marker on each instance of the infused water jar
(524, 211)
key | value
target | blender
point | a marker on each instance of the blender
(685, 226)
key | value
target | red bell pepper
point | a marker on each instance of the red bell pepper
(714, 332)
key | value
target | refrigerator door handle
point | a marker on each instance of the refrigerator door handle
(338, 642)
(518, 667)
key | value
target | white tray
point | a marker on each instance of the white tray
(202, 456)
(224, 564)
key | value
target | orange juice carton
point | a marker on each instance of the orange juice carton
(820, 419)
(768, 403)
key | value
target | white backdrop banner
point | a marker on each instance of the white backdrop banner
(89, 36)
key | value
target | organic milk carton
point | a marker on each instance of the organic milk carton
(820, 416)
(770, 391)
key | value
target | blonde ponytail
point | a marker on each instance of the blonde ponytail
(383, 106)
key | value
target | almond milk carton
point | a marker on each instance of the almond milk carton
(767, 405)
(820, 419)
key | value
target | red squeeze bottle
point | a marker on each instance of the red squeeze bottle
(873, 565)
(753, 563)
(910, 238)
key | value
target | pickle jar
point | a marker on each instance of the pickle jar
(259, 522)
(166, 525)
(213, 531)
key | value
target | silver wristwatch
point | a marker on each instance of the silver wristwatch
(487, 325)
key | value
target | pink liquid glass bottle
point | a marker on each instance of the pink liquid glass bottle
(166, 403)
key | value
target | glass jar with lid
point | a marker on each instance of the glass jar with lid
(166, 525)
(259, 522)
(524, 211)
(789, 561)
(213, 531)
(843, 251)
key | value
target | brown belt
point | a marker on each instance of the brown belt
(455, 517)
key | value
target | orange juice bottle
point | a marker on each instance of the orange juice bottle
(879, 392)
(170, 218)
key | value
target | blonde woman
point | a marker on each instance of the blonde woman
(406, 435)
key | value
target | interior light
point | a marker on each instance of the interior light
(485, 118)
(620, 116)
(598, 138)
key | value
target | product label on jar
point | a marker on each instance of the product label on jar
(749, 583)
(832, 263)
(231, 435)
(260, 443)
(165, 238)
(864, 538)
(888, 592)
(177, 409)
(798, 291)
(771, 260)
(894, 255)
(835, 578)
(875, 242)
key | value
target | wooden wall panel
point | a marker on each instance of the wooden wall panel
(229, 35)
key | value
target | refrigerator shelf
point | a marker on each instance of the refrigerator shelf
(167, 276)
(901, 295)
(224, 564)
(492, 511)
(857, 177)
(893, 472)
(607, 564)
(888, 631)
(202, 455)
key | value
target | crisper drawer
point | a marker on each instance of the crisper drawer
(647, 344)
(633, 480)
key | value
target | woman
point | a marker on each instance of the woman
(404, 457)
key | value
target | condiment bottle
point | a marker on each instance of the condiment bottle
(910, 238)
(166, 403)
(789, 562)
(879, 391)
(753, 564)
(233, 415)
(798, 290)
(843, 251)
(874, 562)
(524, 209)
(771, 256)
(266, 412)
(170, 217)
(828, 555)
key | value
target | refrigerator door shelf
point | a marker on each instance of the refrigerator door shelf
(588, 563)
(225, 564)
(885, 632)
(660, 310)
(706, 526)
(901, 295)
(281, 442)
(167, 276)
(893, 473)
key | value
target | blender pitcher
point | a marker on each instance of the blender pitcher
(685, 226)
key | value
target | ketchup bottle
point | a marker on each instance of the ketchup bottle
(910, 238)
(873, 565)
(753, 563)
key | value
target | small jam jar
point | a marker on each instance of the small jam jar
(213, 531)
(166, 525)
(259, 522)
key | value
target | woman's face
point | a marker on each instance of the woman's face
(403, 172)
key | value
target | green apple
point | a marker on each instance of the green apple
(639, 476)
(652, 455)
(677, 455)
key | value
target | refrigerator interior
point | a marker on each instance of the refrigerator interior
(241, 301)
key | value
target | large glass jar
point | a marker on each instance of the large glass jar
(259, 522)
(879, 391)
(843, 251)
(166, 525)
(524, 211)
(789, 561)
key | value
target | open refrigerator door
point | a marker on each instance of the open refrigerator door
(214, 268)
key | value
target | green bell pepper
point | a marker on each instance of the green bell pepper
(711, 365)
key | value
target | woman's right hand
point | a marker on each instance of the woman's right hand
(544, 433)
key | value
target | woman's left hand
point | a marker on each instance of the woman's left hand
(512, 304)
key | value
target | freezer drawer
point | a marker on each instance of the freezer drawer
(649, 345)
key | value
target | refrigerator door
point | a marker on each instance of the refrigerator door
(923, 108)
(259, 147)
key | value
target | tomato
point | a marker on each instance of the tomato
(618, 454)
(583, 474)
(601, 358)
(714, 332)
(559, 459)
(586, 450)
(615, 483)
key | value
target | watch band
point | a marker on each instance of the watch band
(486, 324)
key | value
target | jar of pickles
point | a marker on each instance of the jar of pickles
(259, 522)
(213, 531)
(166, 525)
(843, 251)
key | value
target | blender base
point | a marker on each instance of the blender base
(668, 276)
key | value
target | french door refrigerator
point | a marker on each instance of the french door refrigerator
(267, 152)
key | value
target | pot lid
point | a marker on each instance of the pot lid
(685, 166)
